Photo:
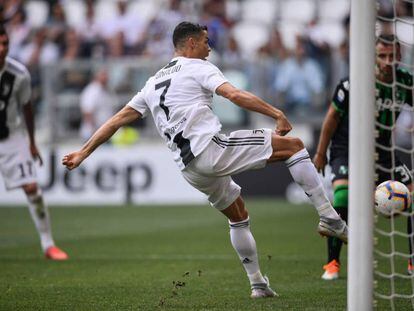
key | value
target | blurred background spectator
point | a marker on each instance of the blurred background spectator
(96, 104)
(56, 24)
(124, 32)
(160, 28)
(18, 31)
(89, 33)
(299, 83)
(213, 15)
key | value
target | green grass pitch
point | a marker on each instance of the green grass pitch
(164, 258)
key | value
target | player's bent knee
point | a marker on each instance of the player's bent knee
(236, 212)
(30, 189)
(292, 144)
(297, 145)
(285, 147)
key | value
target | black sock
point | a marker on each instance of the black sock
(335, 244)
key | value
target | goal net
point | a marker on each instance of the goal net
(394, 131)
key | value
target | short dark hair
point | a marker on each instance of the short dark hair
(184, 30)
(387, 39)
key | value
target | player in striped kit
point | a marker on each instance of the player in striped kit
(18, 149)
(179, 97)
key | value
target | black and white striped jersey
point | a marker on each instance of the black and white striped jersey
(179, 97)
(15, 92)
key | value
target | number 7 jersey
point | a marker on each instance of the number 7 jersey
(179, 97)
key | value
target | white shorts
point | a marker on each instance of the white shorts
(210, 172)
(16, 163)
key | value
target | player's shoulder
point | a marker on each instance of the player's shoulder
(344, 84)
(206, 63)
(151, 81)
(16, 67)
(200, 63)
(342, 90)
(341, 95)
(404, 76)
(204, 68)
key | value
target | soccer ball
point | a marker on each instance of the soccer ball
(392, 197)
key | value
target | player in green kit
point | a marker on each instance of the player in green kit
(335, 131)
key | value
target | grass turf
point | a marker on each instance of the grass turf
(164, 258)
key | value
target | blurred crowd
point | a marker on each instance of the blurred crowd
(293, 52)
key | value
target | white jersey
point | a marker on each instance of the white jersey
(179, 97)
(96, 100)
(15, 92)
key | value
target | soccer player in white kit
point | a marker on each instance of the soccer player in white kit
(179, 97)
(18, 149)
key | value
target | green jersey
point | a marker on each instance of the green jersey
(390, 98)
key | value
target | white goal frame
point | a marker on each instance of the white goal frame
(361, 155)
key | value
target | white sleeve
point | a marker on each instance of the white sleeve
(25, 89)
(138, 103)
(210, 77)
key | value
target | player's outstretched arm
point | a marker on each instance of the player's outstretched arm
(329, 126)
(124, 116)
(252, 102)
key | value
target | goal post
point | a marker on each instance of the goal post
(361, 155)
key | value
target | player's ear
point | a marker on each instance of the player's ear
(398, 53)
(192, 42)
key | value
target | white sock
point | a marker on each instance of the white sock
(245, 246)
(40, 215)
(305, 175)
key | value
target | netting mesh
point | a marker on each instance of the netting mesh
(394, 286)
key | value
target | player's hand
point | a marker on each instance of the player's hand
(319, 160)
(283, 126)
(36, 154)
(73, 160)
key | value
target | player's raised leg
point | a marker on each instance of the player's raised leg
(292, 151)
(40, 215)
(245, 245)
